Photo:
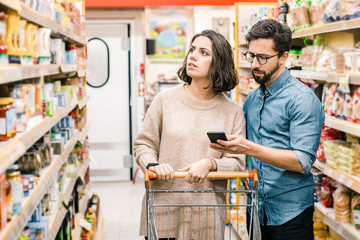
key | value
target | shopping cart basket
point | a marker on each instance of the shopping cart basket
(197, 215)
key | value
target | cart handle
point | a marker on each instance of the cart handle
(249, 174)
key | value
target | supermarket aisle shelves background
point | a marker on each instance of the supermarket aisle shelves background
(121, 208)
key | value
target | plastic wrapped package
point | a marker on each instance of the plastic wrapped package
(299, 16)
(328, 97)
(348, 107)
(342, 204)
(330, 133)
(355, 210)
(323, 63)
(338, 10)
(349, 60)
(356, 105)
(338, 104)
(357, 61)
(320, 156)
(326, 192)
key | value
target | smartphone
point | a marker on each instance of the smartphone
(214, 136)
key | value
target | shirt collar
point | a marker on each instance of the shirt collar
(275, 86)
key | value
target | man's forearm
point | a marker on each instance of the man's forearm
(285, 159)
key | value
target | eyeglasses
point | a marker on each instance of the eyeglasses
(262, 59)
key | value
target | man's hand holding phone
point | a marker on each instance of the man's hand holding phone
(235, 144)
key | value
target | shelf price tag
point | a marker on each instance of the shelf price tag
(329, 172)
(344, 82)
(341, 178)
(349, 183)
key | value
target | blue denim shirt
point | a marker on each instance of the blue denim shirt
(286, 115)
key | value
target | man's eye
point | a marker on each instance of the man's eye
(262, 57)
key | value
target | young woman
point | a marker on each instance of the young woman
(174, 137)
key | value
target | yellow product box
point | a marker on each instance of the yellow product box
(345, 157)
(347, 150)
(330, 154)
(332, 163)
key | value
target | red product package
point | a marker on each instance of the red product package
(330, 133)
(326, 192)
(320, 154)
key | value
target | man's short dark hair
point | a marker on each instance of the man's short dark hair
(271, 29)
(222, 71)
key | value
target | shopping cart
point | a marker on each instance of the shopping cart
(197, 221)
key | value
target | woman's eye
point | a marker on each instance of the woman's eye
(204, 53)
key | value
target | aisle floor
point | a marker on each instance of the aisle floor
(121, 207)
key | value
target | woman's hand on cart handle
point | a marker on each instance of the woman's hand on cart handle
(164, 172)
(197, 171)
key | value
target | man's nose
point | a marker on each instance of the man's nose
(255, 63)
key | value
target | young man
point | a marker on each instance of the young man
(283, 120)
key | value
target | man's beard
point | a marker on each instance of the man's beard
(266, 76)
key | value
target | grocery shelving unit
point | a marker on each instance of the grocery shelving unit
(353, 182)
(14, 148)
(346, 230)
(325, 76)
(32, 16)
(14, 228)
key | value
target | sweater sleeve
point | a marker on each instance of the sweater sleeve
(233, 162)
(147, 142)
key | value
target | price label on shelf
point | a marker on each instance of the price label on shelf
(340, 229)
(346, 128)
(358, 132)
(349, 183)
(329, 172)
(11, 157)
(344, 82)
(341, 178)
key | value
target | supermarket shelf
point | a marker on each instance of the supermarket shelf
(71, 183)
(83, 102)
(57, 30)
(82, 73)
(18, 222)
(56, 223)
(346, 230)
(83, 169)
(348, 180)
(12, 149)
(244, 64)
(328, 27)
(66, 68)
(342, 125)
(15, 72)
(324, 76)
(100, 229)
(82, 208)
(15, 5)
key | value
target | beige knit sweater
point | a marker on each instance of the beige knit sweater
(174, 132)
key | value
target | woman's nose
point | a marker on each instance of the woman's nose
(192, 56)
